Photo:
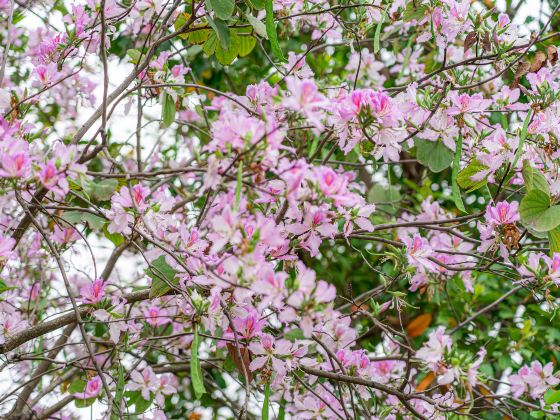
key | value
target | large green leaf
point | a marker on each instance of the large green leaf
(162, 275)
(264, 415)
(380, 194)
(534, 179)
(222, 8)
(554, 240)
(257, 25)
(457, 199)
(94, 222)
(522, 137)
(464, 178)
(536, 212)
(271, 31)
(168, 109)
(221, 30)
(433, 154)
(196, 370)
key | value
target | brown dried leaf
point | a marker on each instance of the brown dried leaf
(426, 382)
(485, 42)
(522, 69)
(470, 40)
(244, 361)
(552, 53)
(538, 62)
(418, 325)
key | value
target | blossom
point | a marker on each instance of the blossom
(418, 252)
(94, 292)
(502, 213)
(534, 379)
(267, 351)
(156, 316)
(92, 389)
(433, 351)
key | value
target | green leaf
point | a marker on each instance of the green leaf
(94, 222)
(142, 405)
(377, 35)
(199, 36)
(256, 4)
(134, 56)
(522, 137)
(162, 275)
(116, 238)
(245, 45)
(77, 386)
(536, 212)
(168, 109)
(4, 287)
(534, 179)
(457, 199)
(103, 190)
(119, 392)
(380, 194)
(180, 22)
(414, 11)
(258, 26)
(226, 56)
(210, 45)
(433, 154)
(264, 415)
(282, 411)
(295, 334)
(271, 31)
(552, 397)
(222, 8)
(238, 186)
(554, 240)
(196, 370)
(84, 403)
(221, 30)
(464, 179)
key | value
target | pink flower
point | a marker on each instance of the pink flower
(6, 246)
(64, 235)
(502, 213)
(433, 351)
(535, 380)
(146, 381)
(247, 325)
(419, 252)
(553, 265)
(92, 390)
(156, 316)
(316, 224)
(94, 292)
(53, 179)
(15, 165)
(305, 98)
(267, 351)
(10, 323)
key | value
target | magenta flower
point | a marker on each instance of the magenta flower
(94, 292)
(418, 252)
(267, 352)
(144, 381)
(502, 213)
(16, 165)
(53, 179)
(535, 380)
(92, 390)
(6, 246)
(433, 351)
(156, 316)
